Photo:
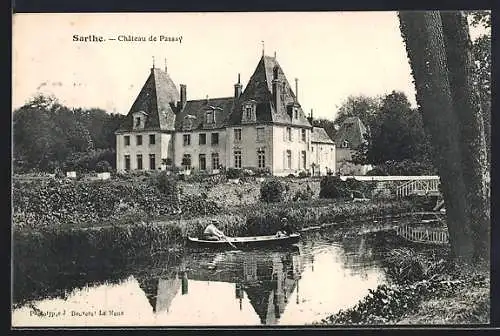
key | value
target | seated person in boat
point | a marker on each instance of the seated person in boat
(285, 228)
(212, 233)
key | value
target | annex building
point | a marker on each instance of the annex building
(262, 126)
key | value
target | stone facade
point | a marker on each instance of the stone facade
(263, 126)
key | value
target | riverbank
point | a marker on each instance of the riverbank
(425, 288)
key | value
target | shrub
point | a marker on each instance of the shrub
(233, 173)
(103, 166)
(332, 187)
(271, 191)
(302, 195)
(166, 184)
(304, 174)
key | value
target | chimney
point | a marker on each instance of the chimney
(183, 95)
(237, 88)
(310, 118)
(166, 65)
(297, 89)
(276, 90)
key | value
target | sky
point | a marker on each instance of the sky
(333, 55)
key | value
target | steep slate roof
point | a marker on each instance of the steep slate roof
(157, 98)
(352, 130)
(197, 109)
(319, 135)
(259, 88)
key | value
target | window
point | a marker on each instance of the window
(288, 161)
(203, 162)
(137, 121)
(261, 158)
(295, 113)
(139, 140)
(139, 161)
(288, 134)
(215, 160)
(210, 117)
(237, 135)
(127, 140)
(345, 144)
(127, 162)
(260, 134)
(248, 111)
(186, 139)
(203, 139)
(237, 158)
(303, 135)
(152, 139)
(215, 138)
(186, 161)
(303, 159)
(152, 162)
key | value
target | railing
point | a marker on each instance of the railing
(418, 187)
(424, 235)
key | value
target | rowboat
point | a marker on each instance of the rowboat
(242, 242)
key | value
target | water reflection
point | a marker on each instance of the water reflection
(224, 288)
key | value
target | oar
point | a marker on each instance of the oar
(227, 239)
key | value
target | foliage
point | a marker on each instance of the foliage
(59, 203)
(481, 50)
(364, 107)
(328, 125)
(405, 167)
(103, 166)
(398, 134)
(89, 161)
(234, 173)
(45, 131)
(166, 184)
(332, 187)
(271, 191)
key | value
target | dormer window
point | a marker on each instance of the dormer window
(249, 111)
(345, 144)
(295, 113)
(187, 123)
(210, 117)
(139, 120)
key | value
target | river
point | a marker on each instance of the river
(327, 271)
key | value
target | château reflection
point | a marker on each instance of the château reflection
(266, 279)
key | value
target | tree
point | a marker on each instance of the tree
(439, 60)
(481, 50)
(467, 108)
(46, 131)
(398, 133)
(364, 107)
(328, 125)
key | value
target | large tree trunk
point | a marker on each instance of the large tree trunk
(423, 35)
(468, 111)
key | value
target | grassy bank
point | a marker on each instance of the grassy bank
(424, 288)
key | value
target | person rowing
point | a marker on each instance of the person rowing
(285, 228)
(213, 233)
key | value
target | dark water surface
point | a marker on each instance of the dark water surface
(327, 271)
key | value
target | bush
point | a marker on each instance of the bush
(304, 174)
(405, 167)
(233, 173)
(103, 166)
(166, 184)
(271, 191)
(302, 195)
(332, 187)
